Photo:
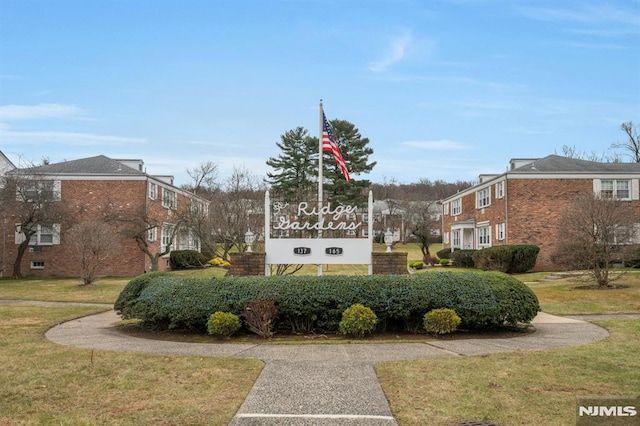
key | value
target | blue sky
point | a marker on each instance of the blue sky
(444, 89)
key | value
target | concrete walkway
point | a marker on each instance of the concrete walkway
(322, 384)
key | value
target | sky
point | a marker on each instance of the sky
(443, 89)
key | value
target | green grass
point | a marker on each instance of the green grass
(565, 297)
(42, 383)
(521, 388)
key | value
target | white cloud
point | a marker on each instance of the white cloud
(440, 145)
(585, 13)
(17, 137)
(26, 112)
(397, 51)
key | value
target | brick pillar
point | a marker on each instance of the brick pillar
(243, 264)
(394, 263)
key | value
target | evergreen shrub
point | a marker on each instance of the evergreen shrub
(444, 253)
(416, 264)
(441, 321)
(186, 259)
(463, 258)
(512, 259)
(358, 320)
(223, 324)
(130, 293)
(308, 303)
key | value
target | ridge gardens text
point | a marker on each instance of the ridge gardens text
(284, 222)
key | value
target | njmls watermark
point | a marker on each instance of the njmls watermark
(614, 411)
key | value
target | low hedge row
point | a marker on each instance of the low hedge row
(512, 259)
(307, 303)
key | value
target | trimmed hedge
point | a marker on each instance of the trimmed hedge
(186, 259)
(512, 259)
(463, 258)
(307, 303)
(445, 253)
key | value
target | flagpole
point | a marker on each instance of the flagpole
(320, 176)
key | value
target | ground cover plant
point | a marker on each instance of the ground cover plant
(44, 383)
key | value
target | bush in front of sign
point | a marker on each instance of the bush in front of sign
(223, 324)
(311, 304)
(358, 320)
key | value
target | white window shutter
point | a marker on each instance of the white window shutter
(597, 186)
(56, 233)
(57, 190)
(19, 236)
(635, 189)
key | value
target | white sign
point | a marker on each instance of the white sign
(318, 251)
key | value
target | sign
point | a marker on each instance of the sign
(324, 235)
(334, 251)
(302, 251)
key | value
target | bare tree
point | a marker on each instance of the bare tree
(204, 177)
(33, 201)
(632, 144)
(573, 152)
(134, 223)
(594, 231)
(422, 222)
(237, 208)
(92, 242)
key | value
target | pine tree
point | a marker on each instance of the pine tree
(295, 175)
(355, 152)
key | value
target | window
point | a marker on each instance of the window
(483, 198)
(455, 238)
(39, 191)
(169, 199)
(484, 236)
(197, 207)
(500, 231)
(153, 190)
(456, 207)
(45, 235)
(445, 208)
(167, 237)
(619, 189)
(365, 217)
(365, 232)
(500, 189)
(36, 264)
(152, 234)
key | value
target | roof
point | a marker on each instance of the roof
(559, 164)
(99, 165)
(556, 165)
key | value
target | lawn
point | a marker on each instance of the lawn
(44, 383)
(521, 388)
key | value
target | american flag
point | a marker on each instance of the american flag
(329, 144)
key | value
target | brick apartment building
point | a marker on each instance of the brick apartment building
(524, 205)
(118, 192)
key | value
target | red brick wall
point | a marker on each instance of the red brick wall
(535, 207)
(88, 200)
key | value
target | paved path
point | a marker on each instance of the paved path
(322, 384)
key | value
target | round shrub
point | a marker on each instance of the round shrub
(444, 262)
(416, 264)
(358, 320)
(441, 321)
(223, 324)
(185, 259)
(463, 258)
(445, 253)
